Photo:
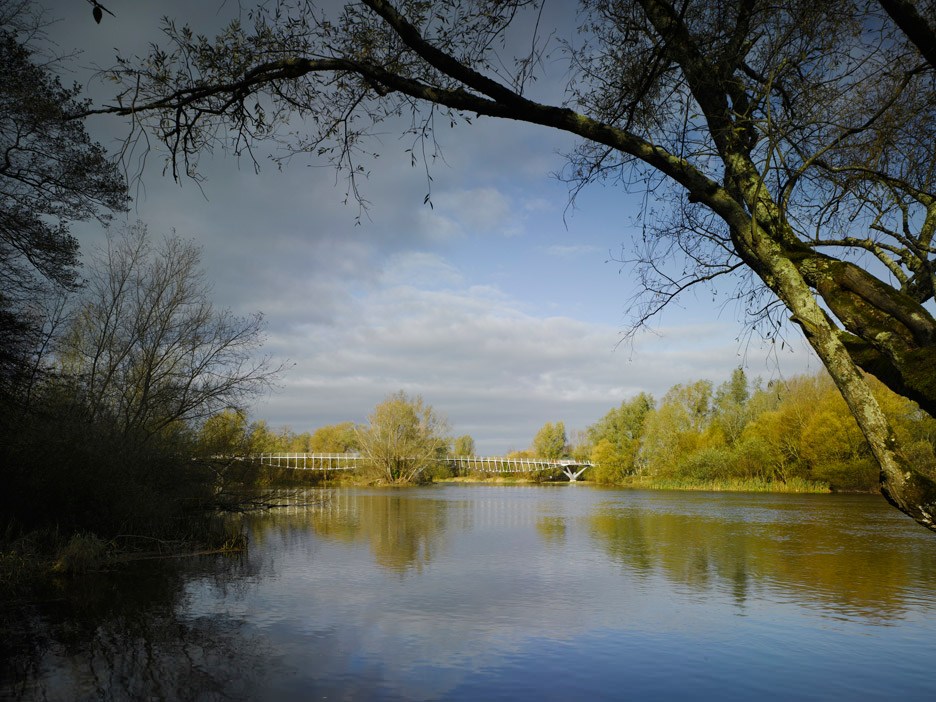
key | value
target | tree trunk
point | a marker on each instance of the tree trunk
(890, 335)
(909, 491)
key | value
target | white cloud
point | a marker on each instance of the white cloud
(420, 269)
(458, 213)
(496, 371)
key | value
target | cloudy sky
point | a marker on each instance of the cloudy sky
(500, 306)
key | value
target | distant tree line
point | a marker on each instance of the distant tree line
(788, 434)
(787, 431)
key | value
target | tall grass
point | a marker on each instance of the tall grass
(793, 485)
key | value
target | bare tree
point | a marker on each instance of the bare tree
(796, 139)
(148, 350)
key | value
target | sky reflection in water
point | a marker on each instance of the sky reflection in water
(553, 592)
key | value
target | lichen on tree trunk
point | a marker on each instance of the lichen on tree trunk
(905, 488)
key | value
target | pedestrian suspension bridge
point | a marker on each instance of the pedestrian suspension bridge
(572, 469)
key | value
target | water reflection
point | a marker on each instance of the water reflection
(852, 555)
(552, 529)
(844, 555)
(126, 637)
(468, 593)
(403, 533)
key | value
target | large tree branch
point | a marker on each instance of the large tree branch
(914, 25)
(439, 59)
(516, 107)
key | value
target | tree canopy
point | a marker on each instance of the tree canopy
(51, 174)
(550, 441)
(795, 142)
(794, 434)
(403, 438)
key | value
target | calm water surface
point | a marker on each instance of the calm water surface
(561, 592)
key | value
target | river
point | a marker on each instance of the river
(476, 592)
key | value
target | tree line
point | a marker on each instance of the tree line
(402, 441)
(789, 434)
(785, 433)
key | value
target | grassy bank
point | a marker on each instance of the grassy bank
(795, 485)
(46, 555)
(495, 480)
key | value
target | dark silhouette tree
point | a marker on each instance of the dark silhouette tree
(51, 174)
(148, 351)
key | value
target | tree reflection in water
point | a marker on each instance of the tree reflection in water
(466, 592)
(125, 636)
(777, 547)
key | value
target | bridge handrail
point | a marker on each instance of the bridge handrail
(298, 460)
(355, 456)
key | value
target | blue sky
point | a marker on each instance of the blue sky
(498, 305)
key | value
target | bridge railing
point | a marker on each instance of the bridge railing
(481, 464)
(311, 461)
(497, 464)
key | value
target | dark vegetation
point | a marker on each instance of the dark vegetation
(105, 371)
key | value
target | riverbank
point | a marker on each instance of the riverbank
(792, 486)
(42, 555)
(638, 482)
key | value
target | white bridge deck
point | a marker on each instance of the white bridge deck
(482, 464)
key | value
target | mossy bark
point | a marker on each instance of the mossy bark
(889, 334)
(902, 486)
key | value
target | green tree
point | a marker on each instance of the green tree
(335, 438)
(616, 438)
(301, 443)
(788, 137)
(678, 428)
(403, 438)
(731, 405)
(780, 428)
(224, 434)
(834, 449)
(550, 441)
(262, 439)
(464, 446)
(611, 463)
